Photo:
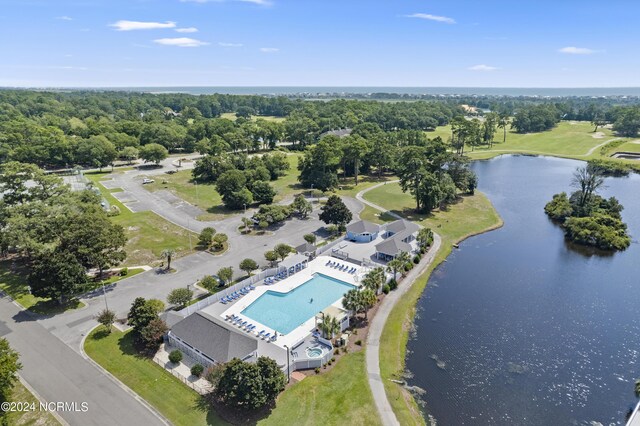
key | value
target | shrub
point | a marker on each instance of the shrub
(408, 266)
(317, 370)
(124, 272)
(175, 356)
(336, 352)
(210, 283)
(359, 342)
(157, 305)
(214, 373)
(197, 370)
(393, 284)
(417, 258)
(333, 359)
(151, 335)
(180, 297)
(386, 289)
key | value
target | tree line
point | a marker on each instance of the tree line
(60, 233)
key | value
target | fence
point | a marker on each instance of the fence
(329, 246)
(236, 287)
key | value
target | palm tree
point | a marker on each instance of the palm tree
(403, 257)
(374, 280)
(368, 299)
(168, 254)
(329, 326)
(503, 122)
(394, 266)
(352, 301)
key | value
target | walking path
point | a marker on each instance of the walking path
(359, 197)
(376, 383)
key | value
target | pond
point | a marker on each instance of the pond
(520, 327)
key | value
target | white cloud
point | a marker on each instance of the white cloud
(269, 49)
(65, 18)
(180, 42)
(223, 44)
(187, 30)
(572, 50)
(483, 67)
(138, 25)
(430, 17)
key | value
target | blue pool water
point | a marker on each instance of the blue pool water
(284, 312)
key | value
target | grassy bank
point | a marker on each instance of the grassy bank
(147, 233)
(473, 215)
(174, 400)
(28, 418)
(341, 396)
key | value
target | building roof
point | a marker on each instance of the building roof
(363, 226)
(209, 336)
(393, 246)
(402, 225)
(341, 133)
(306, 248)
(293, 260)
(171, 318)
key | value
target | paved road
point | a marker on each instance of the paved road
(376, 384)
(360, 197)
(61, 375)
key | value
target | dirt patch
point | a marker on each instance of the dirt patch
(598, 135)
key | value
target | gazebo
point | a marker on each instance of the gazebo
(293, 264)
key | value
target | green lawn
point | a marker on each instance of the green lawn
(13, 281)
(567, 139)
(180, 404)
(338, 397)
(207, 198)
(28, 418)
(632, 146)
(148, 234)
(232, 116)
(473, 215)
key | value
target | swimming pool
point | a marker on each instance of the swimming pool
(284, 312)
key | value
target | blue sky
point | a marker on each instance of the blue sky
(491, 43)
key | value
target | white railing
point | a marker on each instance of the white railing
(200, 389)
(227, 291)
(331, 245)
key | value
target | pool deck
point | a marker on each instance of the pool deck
(286, 285)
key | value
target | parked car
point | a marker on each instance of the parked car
(147, 180)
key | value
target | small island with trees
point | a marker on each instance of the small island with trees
(588, 218)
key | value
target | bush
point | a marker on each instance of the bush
(408, 266)
(317, 370)
(333, 359)
(417, 258)
(124, 272)
(180, 297)
(393, 284)
(175, 356)
(359, 342)
(157, 305)
(197, 370)
(151, 335)
(386, 289)
(214, 373)
(210, 283)
(336, 352)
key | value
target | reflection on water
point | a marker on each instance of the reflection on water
(519, 327)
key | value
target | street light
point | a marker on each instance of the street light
(288, 365)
